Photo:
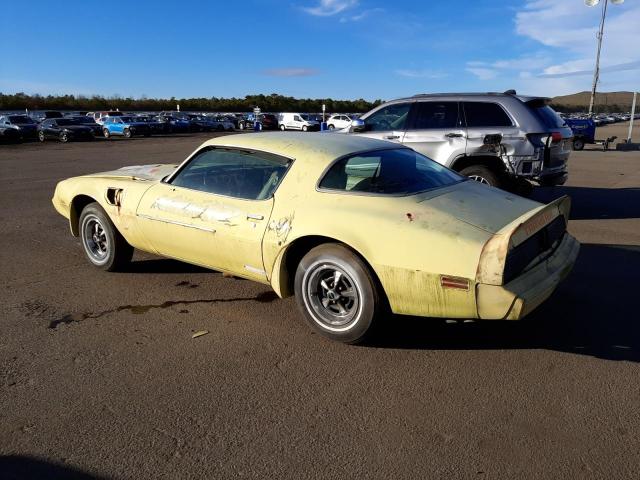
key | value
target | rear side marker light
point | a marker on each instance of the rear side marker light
(454, 282)
(556, 137)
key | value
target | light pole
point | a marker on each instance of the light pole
(596, 70)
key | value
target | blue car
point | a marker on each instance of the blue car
(125, 126)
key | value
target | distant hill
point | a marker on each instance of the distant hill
(605, 102)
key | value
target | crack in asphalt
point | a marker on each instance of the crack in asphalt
(264, 297)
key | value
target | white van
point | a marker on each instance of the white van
(296, 121)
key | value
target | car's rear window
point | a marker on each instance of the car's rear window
(549, 117)
(21, 119)
(399, 171)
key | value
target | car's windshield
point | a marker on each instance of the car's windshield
(20, 119)
(66, 121)
(127, 119)
(391, 172)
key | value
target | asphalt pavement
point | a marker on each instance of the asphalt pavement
(100, 376)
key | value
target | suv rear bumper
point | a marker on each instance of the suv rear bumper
(553, 178)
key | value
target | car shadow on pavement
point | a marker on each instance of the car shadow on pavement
(594, 203)
(163, 265)
(22, 467)
(593, 312)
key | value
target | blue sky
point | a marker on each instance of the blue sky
(313, 48)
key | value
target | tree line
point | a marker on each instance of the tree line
(267, 103)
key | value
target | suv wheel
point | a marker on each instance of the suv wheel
(578, 144)
(482, 174)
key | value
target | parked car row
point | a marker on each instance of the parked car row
(108, 123)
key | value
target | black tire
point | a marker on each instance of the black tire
(305, 128)
(102, 243)
(126, 133)
(483, 174)
(241, 126)
(331, 311)
(282, 127)
(63, 137)
(578, 144)
(41, 136)
(331, 127)
(106, 133)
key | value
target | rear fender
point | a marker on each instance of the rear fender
(494, 253)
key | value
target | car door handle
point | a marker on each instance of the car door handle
(253, 216)
(453, 135)
(392, 137)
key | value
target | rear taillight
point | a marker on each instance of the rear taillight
(556, 137)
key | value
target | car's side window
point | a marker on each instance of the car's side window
(436, 115)
(486, 114)
(391, 117)
(233, 173)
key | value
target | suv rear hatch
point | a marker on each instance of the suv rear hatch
(555, 137)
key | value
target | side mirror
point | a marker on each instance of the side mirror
(357, 125)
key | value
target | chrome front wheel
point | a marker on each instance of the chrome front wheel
(94, 239)
(102, 243)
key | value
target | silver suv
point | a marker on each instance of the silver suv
(496, 138)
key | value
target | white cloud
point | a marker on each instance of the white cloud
(327, 8)
(570, 27)
(420, 73)
(483, 73)
(290, 72)
(362, 15)
(565, 32)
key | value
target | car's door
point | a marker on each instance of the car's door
(214, 211)
(388, 122)
(117, 126)
(488, 118)
(52, 129)
(297, 122)
(436, 130)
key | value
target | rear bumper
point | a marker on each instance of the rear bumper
(521, 296)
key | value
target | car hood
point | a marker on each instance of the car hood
(139, 172)
(484, 207)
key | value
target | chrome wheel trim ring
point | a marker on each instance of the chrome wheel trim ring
(95, 240)
(479, 179)
(331, 296)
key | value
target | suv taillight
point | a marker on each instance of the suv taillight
(556, 137)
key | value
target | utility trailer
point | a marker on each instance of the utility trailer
(584, 131)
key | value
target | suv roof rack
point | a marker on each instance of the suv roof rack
(449, 94)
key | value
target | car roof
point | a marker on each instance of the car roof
(315, 147)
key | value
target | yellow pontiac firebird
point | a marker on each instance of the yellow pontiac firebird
(352, 226)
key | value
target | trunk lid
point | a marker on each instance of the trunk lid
(483, 207)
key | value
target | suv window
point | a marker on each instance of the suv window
(233, 173)
(485, 114)
(549, 117)
(391, 117)
(436, 115)
(388, 172)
